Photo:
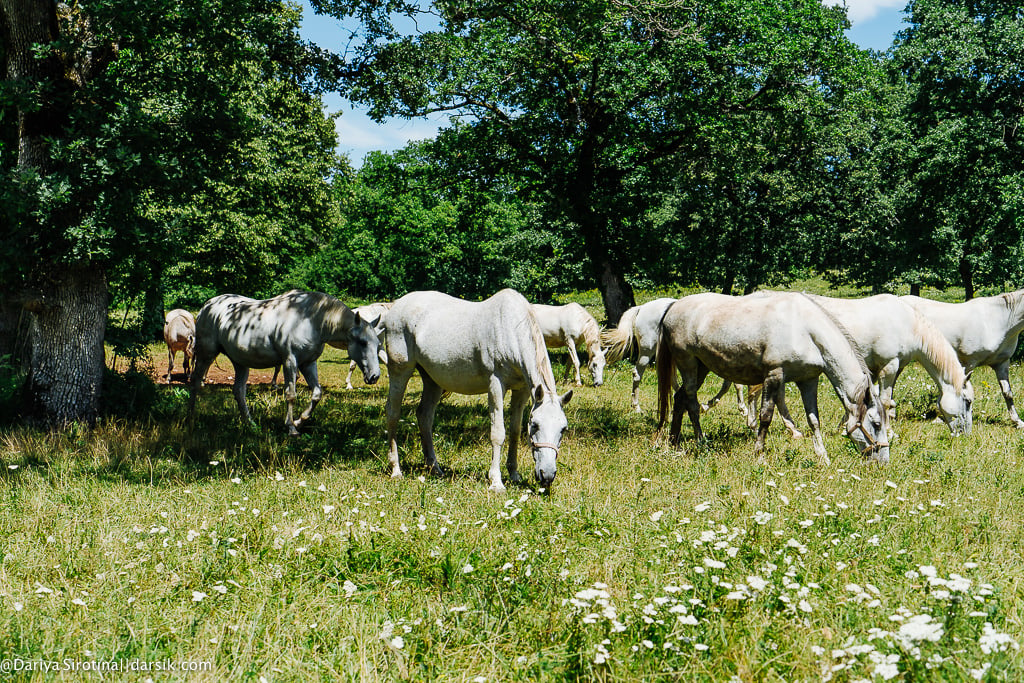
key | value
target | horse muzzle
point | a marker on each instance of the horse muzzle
(371, 378)
(544, 456)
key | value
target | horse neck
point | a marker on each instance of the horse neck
(844, 363)
(937, 356)
(335, 319)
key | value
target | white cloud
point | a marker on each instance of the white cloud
(864, 10)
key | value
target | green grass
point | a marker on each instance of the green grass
(299, 559)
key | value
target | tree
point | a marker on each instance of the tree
(964, 63)
(581, 101)
(122, 110)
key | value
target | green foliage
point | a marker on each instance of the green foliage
(412, 223)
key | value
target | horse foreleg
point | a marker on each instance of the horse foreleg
(515, 425)
(309, 373)
(1003, 375)
(809, 394)
(429, 399)
(638, 374)
(397, 382)
(289, 371)
(348, 377)
(495, 399)
(170, 362)
(570, 344)
(239, 388)
(196, 381)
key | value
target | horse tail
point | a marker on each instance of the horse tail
(619, 341)
(665, 364)
(190, 347)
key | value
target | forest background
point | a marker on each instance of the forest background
(156, 153)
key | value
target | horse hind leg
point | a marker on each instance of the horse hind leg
(239, 389)
(170, 363)
(1003, 375)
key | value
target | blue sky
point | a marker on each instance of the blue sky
(874, 24)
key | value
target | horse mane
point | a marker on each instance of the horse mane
(938, 349)
(591, 332)
(619, 340)
(542, 360)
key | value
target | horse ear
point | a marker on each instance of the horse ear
(377, 323)
(565, 398)
(538, 393)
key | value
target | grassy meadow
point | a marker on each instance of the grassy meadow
(254, 556)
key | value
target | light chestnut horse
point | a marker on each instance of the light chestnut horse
(638, 328)
(570, 326)
(289, 330)
(180, 335)
(465, 347)
(769, 341)
(982, 331)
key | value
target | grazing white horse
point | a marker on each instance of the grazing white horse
(770, 341)
(638, 327)
(288, 330)
(486, 347)
(570, 325)
(891, 335)
(180, 335)
(983, 331)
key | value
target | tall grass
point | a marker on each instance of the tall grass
(268, 557)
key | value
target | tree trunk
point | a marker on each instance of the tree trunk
(67, 303)
(616, 293)
(153, 312)
(69, 317)
(915, 289)
(967, 278)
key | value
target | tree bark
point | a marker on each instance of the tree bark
(68, 321)
(616, 293)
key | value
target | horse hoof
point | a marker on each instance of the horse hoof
(497, 488)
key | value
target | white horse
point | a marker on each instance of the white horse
(891, 335)
(180, 335)
(638, 327)
(983, 331)
(288, 330)
(770, 341)
(570, 325)
(486, 347)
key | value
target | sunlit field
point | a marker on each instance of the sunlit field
(256, 556)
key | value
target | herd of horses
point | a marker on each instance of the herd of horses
(760, 341)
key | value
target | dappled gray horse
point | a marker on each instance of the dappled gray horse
(289, 330)
(486, 347)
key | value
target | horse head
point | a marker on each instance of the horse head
(547, 425)
(596, 365)
(867, 426)
(955, 408)
(363, 347)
